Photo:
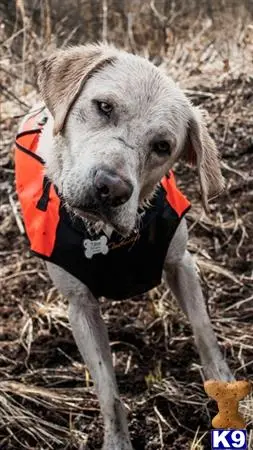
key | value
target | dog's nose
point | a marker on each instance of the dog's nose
(111, 188)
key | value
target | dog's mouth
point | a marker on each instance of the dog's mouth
(89, 214)
(99, 220)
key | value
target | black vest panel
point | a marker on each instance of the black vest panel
(132, 266)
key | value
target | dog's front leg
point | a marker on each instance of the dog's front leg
(180, 274)
(91, 337)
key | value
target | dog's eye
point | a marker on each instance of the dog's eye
(105, 108)
(161, 147)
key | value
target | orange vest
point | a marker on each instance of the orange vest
(31, 185)
(51, 233)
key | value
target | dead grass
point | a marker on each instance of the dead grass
(46, 396)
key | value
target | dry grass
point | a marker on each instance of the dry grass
(46, 396)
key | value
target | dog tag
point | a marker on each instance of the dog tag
(95, 247)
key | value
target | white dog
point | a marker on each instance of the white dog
(100, 202)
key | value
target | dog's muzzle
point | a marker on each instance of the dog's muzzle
(110, 189)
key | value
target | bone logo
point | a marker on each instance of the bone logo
(230, 432)
(95, 247)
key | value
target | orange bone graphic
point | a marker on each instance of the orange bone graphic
(227, 395)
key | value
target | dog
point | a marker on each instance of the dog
(111, 127)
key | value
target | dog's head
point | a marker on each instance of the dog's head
(119, 125)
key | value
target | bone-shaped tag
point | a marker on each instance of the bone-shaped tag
(95, 247)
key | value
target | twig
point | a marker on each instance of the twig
(48, 26)
(20, 5)
(69, 37)
(200, 93)
(160, 434)
(130, 31)
(20, 274)
(158, 15)
(105, 21)
(16, 215)
(8, 92)
(162, 419)
(239, 304)
(217, 269)
(231, 169)
(197, 440)
(14, 75)
(12, 37)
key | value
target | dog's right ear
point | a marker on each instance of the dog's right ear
(200, 150)
(62, 75)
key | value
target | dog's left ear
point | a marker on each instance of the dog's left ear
(200, 150)
(62, 75)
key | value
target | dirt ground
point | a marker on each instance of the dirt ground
(47, 399)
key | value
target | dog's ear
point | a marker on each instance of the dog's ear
(200, 150)
(62, 75)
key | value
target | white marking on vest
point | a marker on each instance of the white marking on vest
(95, 247)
